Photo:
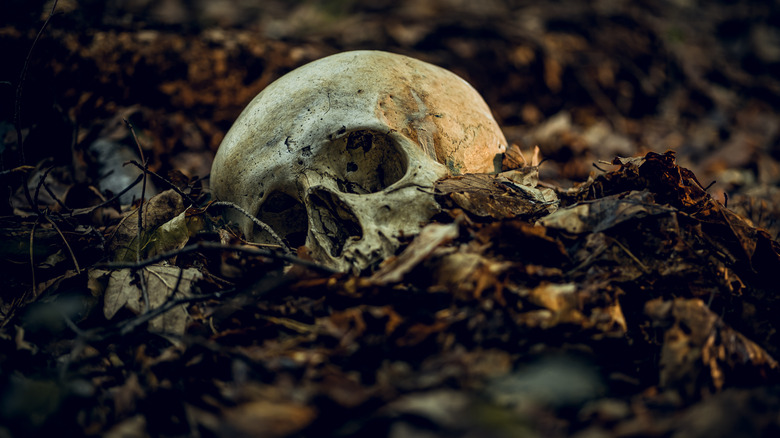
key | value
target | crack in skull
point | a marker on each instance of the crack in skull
(334, 154)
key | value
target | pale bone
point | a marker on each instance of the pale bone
(341, 154)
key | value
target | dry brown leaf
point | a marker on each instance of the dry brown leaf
(604, 213)
(431, 237)
(701, 353)
(157, 211)
(266, 418)
(122, 292)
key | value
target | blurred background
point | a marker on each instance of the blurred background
(584, 80)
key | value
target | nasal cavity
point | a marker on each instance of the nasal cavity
(333, 221)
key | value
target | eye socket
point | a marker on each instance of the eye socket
(368, 161)
(286, 216)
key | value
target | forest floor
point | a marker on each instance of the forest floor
(644, 306)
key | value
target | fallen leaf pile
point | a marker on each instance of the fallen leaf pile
(619, 307)
(597, 287)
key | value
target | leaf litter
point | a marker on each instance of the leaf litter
(634, 292)
(635, 303)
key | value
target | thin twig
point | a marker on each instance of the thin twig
(20, 86)
(141, 278)
(256, 221)
(214, 246)
(42, 183)
(631, 255)
(168, 183)
(56, 199)
(72, 325)
(32, 258)
(18, 102)
(149, 314)
(135, 138)
(16, 170)
(89, 210)
(125, 327)
(145, 169)
(264, 287)
(141, 216)
(72, 255)
(178, 282)
(130, 325)
(122, 328)
(27, 195)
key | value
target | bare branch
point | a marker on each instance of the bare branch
(256, 221)
(214, 246)
(72, 255)
(171, 185)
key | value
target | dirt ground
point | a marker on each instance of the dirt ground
(646, 305)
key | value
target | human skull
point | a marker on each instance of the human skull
(341, 154)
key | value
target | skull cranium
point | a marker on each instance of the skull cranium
(341, 154)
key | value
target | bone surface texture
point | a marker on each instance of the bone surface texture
(341, 154)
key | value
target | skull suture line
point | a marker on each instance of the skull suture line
(341, 154)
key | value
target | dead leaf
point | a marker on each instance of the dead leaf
(157, 211)
(127, 395)
(701, 353)
(132, 427)
(509, 194)
(431, 237)
(123, 292)
(175, 233)
(604, 213)
(266, 418)
(558, 298)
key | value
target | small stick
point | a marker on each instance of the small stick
(42, 183)
(135, 138)
(56, 199)
(141, 215)
(125, 327)
(88, 210)
(72, 255)
(220, 247)
(130, 325)
(142, 279)
(631, 255)
(256, 221)
(18, 102)
(178, 282)
(20, 169)
(20, 86)
(32, 258)
(168, 183)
